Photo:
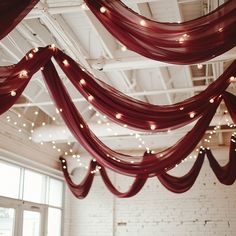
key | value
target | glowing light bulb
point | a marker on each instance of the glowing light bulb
(31, 55)
(53, 46)
(66, 63)
(191, 115)
(152, 127)
(23, 74)
(220, 29)
(211, 100)
(13, 93)
(103, 10)
(35, 50)
(118, 116)
(90, 98)
(142, 22)
(231, 78)
(82, 81)
(199, 66)
(123, 48)
(81, 126)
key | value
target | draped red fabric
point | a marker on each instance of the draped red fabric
(154, 164)
(178, 43)
(12, 12)
(123, 109)
(79, 190)
(184, 183)
(225, 174)
(136, 186)
(230, 102)
(14, 79)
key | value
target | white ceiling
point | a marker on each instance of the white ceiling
(76, 31)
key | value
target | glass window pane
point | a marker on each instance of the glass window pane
(34, 184)
(55, 192)
(54, 222)
(7, 218)
(9, 180)
(31, 223)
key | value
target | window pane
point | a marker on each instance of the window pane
(34, 184)
(7, 218)
(31, 223)
(54, 222)
(55, 192)
(9, 180)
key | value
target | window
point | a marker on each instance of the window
(30, 202)
(34, 187)
(9, 180)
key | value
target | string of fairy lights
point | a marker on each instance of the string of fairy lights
(28, 127)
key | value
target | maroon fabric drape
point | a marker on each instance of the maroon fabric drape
(79, 190)
(172, 183)
(184, 183)
(12, 12)
(153, 165)
(179, 43)
(225, 174)
(123, 109)
(12, 81)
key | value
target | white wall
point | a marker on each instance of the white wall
(209, 208)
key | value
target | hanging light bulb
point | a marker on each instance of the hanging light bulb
(31, 55)
(65, 62)
(35, 50)
(123, 48)
(118, 116)
(142, 22)
(23, 74)
(191, 115)
(199, 66)
(103, 10)
(152, 127)
(13, 93)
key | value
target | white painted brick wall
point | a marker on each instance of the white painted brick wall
(209, 208)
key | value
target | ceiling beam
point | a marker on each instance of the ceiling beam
(143, 93)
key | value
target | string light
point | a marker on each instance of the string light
(13, 93)
(123, 48)
(192, 115)
(82, 81)
(152, 127)
(118, 116)
(35, 50)
(103, 9)
(142, 22)
(211, 100)
(52, 46)
(90, 98)
(23, 74)
(199, 66)
(31, 55)
(65, 62)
